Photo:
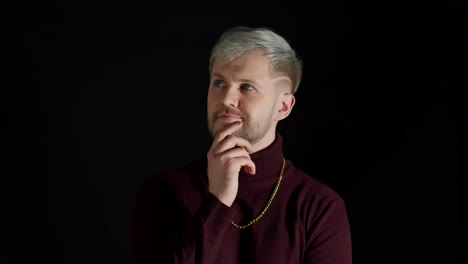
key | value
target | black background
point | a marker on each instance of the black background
(112, 92)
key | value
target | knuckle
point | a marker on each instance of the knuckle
(223, 158)
(230, 162)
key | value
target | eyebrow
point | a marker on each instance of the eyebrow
(255, 83)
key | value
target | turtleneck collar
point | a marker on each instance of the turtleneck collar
(268, 162)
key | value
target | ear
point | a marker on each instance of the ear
(285, 105)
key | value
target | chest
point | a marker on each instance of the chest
(266, 241)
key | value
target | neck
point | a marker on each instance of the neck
(268, 161)
(266, 141)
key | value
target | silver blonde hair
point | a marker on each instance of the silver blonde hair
(237, 41)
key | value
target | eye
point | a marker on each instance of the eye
(219, 83)
(247, 87)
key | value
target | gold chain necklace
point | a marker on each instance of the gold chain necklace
(268, 203)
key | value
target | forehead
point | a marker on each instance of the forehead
(249, 65)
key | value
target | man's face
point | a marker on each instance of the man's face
(243, 90)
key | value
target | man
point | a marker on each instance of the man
(244, 202)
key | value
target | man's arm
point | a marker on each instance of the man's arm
(162, 232)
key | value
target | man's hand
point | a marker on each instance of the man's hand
(227, 155)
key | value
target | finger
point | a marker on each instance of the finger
(234, 153)
(250, 168)
(233, 142)
(245, 162)
(233, 127)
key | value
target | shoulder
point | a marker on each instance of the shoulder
(310, 189)
(174, 178)
(315, 201)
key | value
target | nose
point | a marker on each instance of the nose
(230, 97)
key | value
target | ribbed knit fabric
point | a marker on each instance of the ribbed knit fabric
(178, 221)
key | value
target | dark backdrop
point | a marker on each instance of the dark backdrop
(112, 92)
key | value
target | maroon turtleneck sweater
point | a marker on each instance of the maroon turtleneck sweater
(178, 221)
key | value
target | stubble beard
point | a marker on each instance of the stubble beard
(253, 133)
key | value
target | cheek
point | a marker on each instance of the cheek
(210, 103)
(253, 112)
(211, 107)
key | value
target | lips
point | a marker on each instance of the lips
(229, 117)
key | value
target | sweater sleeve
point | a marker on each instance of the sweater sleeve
(163, 231)
(329, 240)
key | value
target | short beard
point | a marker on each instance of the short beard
(252, 134)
